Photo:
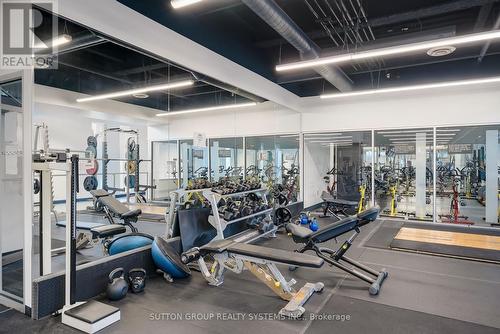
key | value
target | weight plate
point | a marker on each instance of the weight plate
(282, 200)
(91, 167)
(92, 141)
(36, 186)
(282, 216)
(98, 206)
(131, 144)
(91, 152)
(90, 183)
(130, 166)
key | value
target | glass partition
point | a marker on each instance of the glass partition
(403, 172)
(467, 166)
(275, 160)
(193, 162)
(165, 168)
(11, 192)
(226, 158)
(338, 165)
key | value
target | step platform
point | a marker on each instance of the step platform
(91, 316)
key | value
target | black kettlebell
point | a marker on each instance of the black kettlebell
(117, 285)
(137, 279)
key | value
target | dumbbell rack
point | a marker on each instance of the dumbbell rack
(220, 224)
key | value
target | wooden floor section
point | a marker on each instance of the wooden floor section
(149, 209)
(449, 238)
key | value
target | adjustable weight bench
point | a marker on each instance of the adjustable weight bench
(312, 241)
(260, 261)
(113, 207)
(335, 206)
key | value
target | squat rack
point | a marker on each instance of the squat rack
(132, 158)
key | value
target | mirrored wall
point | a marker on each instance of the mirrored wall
(165, 168)
(403, 172)
(11, 192)
(467, 174)
(227, 158)
(338, 165)
(275, 160)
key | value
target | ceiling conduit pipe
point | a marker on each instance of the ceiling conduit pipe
(277, 19)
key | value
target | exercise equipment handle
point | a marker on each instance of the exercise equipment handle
(191, 255)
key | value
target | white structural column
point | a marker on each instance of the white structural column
(492, 159)
(421, 155)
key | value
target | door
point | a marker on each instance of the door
(13, 261)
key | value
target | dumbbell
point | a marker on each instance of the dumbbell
(246, 211)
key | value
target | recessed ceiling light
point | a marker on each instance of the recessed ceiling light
(140, 95)
(441, 51)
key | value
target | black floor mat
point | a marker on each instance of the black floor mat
(369, 317)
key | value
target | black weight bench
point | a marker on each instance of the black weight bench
(113, 207)
(335, 207)
(311, 241)
(261, 262)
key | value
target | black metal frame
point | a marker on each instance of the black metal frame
(334, 257)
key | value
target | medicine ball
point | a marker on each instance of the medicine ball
(117, 285)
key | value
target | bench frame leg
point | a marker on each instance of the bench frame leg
(364, 273)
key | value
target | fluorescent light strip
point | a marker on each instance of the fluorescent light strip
(322, 135)
(174, 85)
(393, 50)
(331, 142)
(414, 134)
(402, 131)
(56, 41)
(176, 4)
(329, 138)
(188, 111)
(411, 88)
(448, 130)
(413, 138)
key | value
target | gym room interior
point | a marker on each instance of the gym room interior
(282, 166)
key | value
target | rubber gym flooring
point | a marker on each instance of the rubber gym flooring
(423, 294)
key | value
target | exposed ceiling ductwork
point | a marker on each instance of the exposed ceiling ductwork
(276, 18)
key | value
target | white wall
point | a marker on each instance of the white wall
(267, 118)
(446, 106)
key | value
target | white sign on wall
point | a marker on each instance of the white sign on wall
(199, 139)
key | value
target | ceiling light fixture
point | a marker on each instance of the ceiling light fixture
(56, 41)
(136, 91)
(402, 131)
(227, 106)
(412, 88)
(412, 47)
(322, 134)
(176, 4)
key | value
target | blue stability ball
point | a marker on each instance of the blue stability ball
(168, 260)
(128, 242)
